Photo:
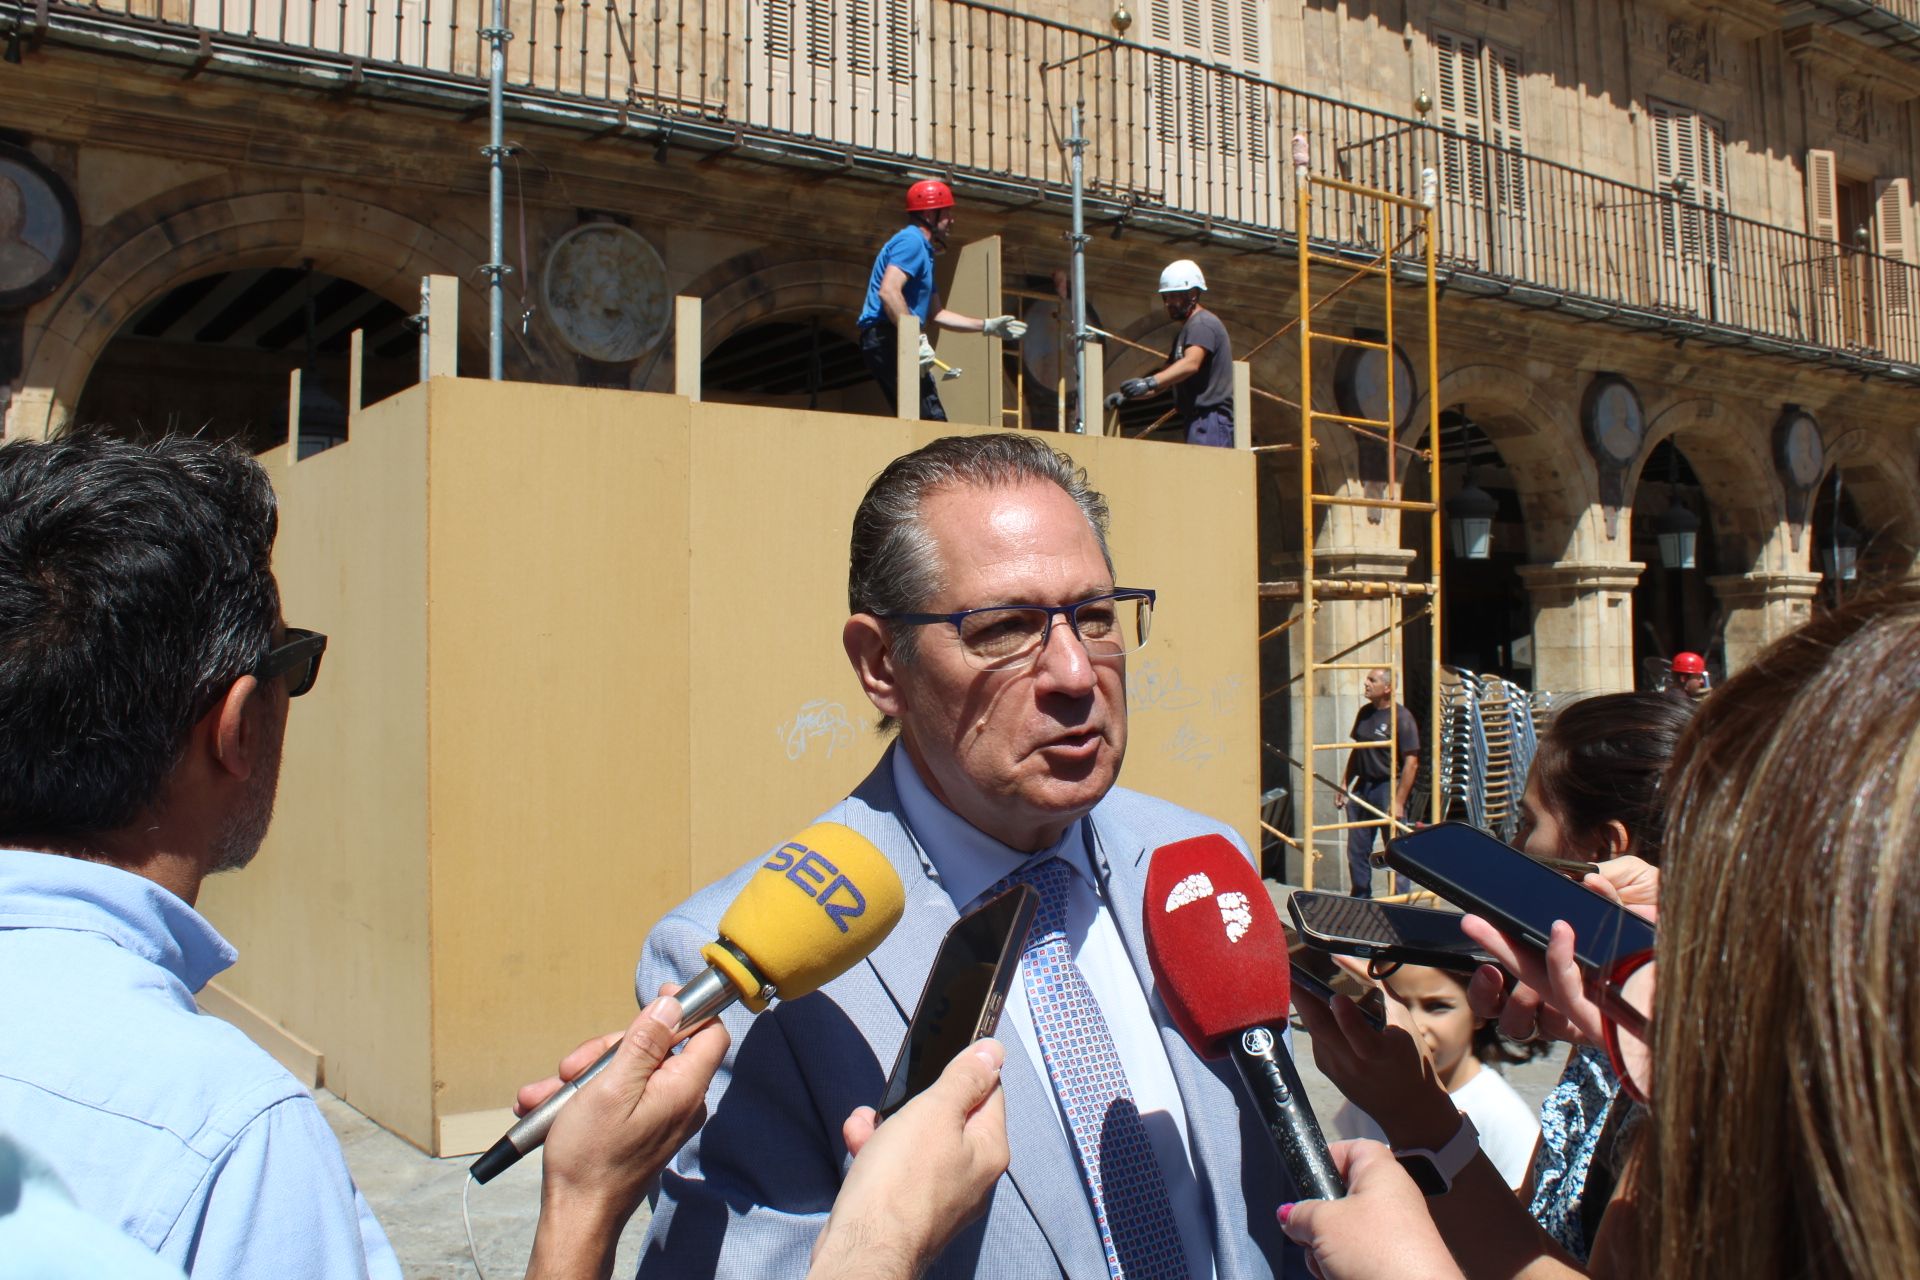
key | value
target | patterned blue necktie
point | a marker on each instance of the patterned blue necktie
(1116, 1157)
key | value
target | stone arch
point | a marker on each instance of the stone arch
(1745, 497)
(223, 224)
(754, 287)
(1540, 439)
(1880, 475)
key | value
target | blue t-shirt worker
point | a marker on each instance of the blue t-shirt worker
(1200, 366)
(902, 282)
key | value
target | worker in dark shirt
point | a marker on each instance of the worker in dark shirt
(1368, 769)
(1200, 366)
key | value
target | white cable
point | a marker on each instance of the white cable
(473, 1254)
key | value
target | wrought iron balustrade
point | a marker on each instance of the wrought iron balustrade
(982, 92)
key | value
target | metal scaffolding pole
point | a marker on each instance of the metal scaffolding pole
(496, 151)
(1079, 241)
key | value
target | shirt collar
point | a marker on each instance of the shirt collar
(52, 891)
(966, 861)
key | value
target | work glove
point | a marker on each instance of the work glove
(1135, 388)
(1115, 399)
(926, 353)
(1004, 327)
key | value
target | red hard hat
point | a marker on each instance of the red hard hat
(931, 194)
(1689, 664)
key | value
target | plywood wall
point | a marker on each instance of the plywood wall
(331, 918)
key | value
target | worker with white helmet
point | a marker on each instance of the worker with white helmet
(1200, 365)
(902, 282)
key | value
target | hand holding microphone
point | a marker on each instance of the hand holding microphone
(1219, 960)
(819, 905)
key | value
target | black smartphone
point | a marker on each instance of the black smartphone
(1314, 972)
(1478, 873)
(1384, 931)
(965, 992)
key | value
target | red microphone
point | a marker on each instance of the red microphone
(1219, 960)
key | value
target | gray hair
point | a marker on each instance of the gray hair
(893, 566)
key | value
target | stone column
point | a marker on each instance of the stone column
(1760, 608)
(1582, 624)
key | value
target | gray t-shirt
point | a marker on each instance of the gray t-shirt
(1212, 387)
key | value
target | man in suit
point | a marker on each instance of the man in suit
(987, 629)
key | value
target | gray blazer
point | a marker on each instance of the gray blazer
(746, 1197)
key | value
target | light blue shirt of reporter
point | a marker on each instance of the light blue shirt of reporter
(167, 1123)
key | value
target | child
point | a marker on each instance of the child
(1458, 1046)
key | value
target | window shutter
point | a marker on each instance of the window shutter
(899, 40)
(1893, 238)
(1506, 128)
(1823, 203)
(1448, 55)
(1711, 184)
(779, 30)
(1823, 223)
(1165, 81)
(819, 36)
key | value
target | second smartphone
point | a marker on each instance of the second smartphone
(965, 992)
(1384, 931)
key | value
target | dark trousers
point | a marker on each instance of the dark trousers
(877, 349)
(1212, 426)
(1360, 840)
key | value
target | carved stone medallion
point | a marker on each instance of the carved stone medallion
(606, 292)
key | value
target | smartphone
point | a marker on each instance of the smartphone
(1315, 972)
(1472, 870)
(1384, 931)
(965, 992)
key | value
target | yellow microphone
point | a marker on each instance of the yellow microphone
(818, 906)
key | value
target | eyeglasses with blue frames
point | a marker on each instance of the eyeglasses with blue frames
(1010, 637)
(297, 658)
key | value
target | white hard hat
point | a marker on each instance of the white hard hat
(1181, 276)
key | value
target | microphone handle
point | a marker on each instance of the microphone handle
(700, 1000)
(1274, 1081)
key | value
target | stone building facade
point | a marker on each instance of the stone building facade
(1677, 241)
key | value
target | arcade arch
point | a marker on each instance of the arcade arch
(220, 225)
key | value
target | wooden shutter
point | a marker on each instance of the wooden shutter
(1456, 71)
(1893, 238)
(778, 37)
(1823, 223)
(1673, 161)
(1506, 128)
(1164, 76)
(1710, 186)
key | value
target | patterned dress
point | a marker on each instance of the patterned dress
(1573, 1121)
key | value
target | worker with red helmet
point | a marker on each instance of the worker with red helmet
(1687, 677)
(902, 282)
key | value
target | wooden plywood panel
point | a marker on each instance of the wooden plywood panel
(331, 918)
(558, 717)
(974, 397)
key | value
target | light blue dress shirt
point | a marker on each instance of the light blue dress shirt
(44, 1237)
(967, 863)
(165, 1122)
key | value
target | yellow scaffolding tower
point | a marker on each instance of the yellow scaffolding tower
(1416, 600)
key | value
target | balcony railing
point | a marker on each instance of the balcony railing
(964, 87)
